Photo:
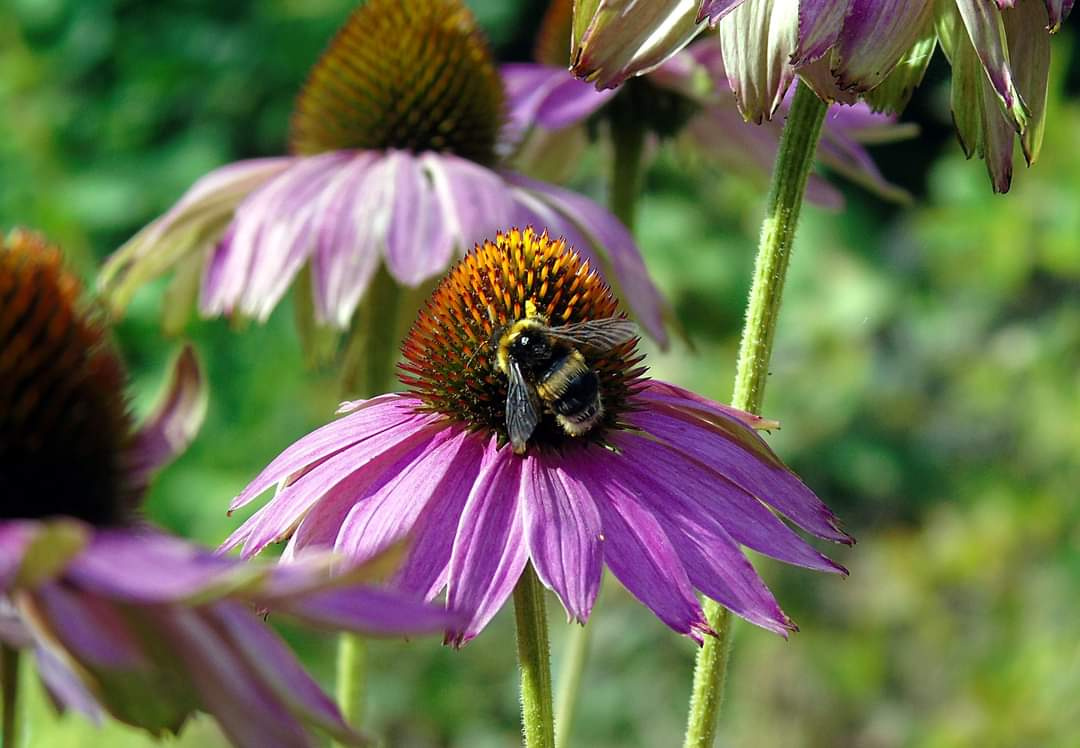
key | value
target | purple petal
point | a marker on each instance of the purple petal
(365, 421)
(475, 201)
(344, 476)
(367, 610)
(1029, 53)
(987, 33)
(876, 35)
(714, 10)
(1058, 11)
(563, 530)
(425, 570)
(737, 458)
(172, 424)
(997, 133)
(757, 40)
(715, 499)
(15, 537)
(89, 627)
(354, 214)
(654, 390)
(418, 242)
(640, 554)
(622, 264)
(489, 549)
(386, 510)
(547, 96)
(65, 686)
(820, 23)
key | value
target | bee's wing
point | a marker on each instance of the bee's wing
(522, 409)
(601, 334)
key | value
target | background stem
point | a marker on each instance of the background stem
(534, 659)
(793, 163)
(566, 694)
(628, 144)
(352, 677)
(9, 686)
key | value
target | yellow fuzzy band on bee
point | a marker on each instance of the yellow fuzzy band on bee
(452, 354)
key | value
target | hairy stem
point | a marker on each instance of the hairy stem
(793, 162)
(534, 659)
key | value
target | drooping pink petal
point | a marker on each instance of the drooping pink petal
(374, 611)
(89, 627)
(353, 216)
(547, 96)
(489, 548)
(621, 261)
(65, 688)
(1058, 11)
(172, 424)
(641, 555)
(418, 242)
(769, 481)
(820, 24)
(563, 529)
(475, 201)
(757, 40)
(876, 35)
(714, 10)
(709, 494)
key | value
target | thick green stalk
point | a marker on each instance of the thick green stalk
(372, 350)
(628, 145)
(793, 162)
(534, 659)
(352, 658)
(566, 693)
(9, 686)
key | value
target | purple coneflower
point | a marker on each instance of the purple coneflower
(664, 487)
(395, 142)
(121, 617)
(688, 95)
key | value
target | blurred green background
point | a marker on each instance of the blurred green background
(926, 374)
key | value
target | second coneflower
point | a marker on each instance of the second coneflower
(530, 435)
(395, 141)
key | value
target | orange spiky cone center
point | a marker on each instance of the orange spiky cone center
(450, 353)
(63, 419)
(414, 75)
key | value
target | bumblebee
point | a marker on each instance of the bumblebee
(546, 372)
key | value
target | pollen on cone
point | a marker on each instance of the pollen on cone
(63, 420)
(414, 75)
(450, 353)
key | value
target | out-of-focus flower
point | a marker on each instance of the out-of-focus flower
(879, 51)
(121, 617)
(687, 95)
(614, 40)
(662, 487)
(395, 142)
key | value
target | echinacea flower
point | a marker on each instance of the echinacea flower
(688, 96)
(395, 141)
(123, 618)
(663, 488)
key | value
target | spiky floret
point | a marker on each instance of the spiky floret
(63, 420)
(451, 352)
(414, 75)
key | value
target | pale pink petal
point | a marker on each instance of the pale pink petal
(418, 242)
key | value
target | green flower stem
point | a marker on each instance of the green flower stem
(372, 350)
(352, 658)
(566, 694)
(793, 162)
(534, 659)
(9, 685)
(628, 146)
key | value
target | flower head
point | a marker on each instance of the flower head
(663, 486)
(396, 139)
(123, 618)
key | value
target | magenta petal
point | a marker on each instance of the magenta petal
(386, 510)
(424, 572)
(877, 34)
(1058, 11)
(14, 539)
(65, 687)
(372, 611)
(345, 475)
(418, 242)
(547, 96)
(820, 24)
(563, 530)
(710, 494)
(641, 555)
(90, 628)
(475, 201)
(364, 422)
(714, 10)
(489, 549)
(769, 481)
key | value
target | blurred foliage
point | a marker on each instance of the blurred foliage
(925, 374)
